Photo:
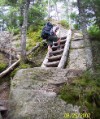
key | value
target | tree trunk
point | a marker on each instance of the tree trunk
(82, 17)
(24, 30)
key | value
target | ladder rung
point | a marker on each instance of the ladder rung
(54, 58)
(57, 52)
(52, 64)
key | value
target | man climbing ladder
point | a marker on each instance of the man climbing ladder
(49, 33)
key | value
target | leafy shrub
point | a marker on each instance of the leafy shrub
(76, 26)
(64, 23)
(35, 27)
(14, 72)
(94, 32)
(21, 66)
(24, 66)
(13, 30)
(2, 66)
(32, 28)
(33, 38)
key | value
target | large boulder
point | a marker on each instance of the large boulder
(33, 95)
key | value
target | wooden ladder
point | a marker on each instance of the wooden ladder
(59, 55)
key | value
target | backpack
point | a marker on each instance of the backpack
(47, 30)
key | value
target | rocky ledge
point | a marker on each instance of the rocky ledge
(34, 94)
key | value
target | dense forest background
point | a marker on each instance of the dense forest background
(31, 14)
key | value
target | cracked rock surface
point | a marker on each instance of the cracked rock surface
(33, 94)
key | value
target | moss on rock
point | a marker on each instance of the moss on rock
(3, 62)
(38, 55)
(85, 92)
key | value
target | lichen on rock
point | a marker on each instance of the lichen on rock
(33, 94)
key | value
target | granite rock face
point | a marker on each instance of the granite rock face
(77, 59)
(80, 55)
(33, 95)
(77, 44)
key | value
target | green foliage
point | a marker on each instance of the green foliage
(71, 97)
(64, 23)
(2, 66)
(2, 2)
(3, 62)
(90, 9)
(9, 18)
(96, 54)
(33, 38)
(76, 26)
(13, 30)
(24, 66)
(21, 66)
(13, 19)
(7, 2)
(14, 72)
(73, 16)
(85, 92)
(38, 55)
(94, 32)
(12, 1)
(75, 19)
(36, 17)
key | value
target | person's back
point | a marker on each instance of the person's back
(53, 38)
(50, 36)
(46, 31)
